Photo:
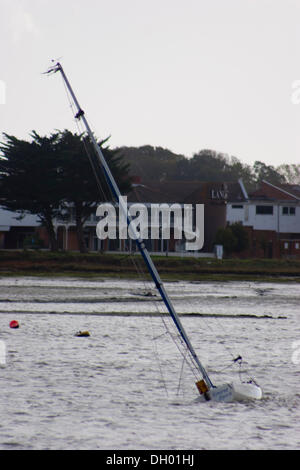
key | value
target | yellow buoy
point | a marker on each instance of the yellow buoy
(82, 333)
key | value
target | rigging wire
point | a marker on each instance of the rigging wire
(185, 353)
(168, 325)
(82, 132)
(173, 333)
(135, 260)
(235, 359)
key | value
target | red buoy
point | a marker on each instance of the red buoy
(14, 324)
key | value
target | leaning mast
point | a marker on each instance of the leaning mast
(140, 243)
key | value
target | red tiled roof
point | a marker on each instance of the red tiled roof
(278, 192)
(188, 192)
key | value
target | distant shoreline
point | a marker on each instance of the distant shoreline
(92, 265)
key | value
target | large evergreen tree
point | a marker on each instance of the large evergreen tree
(29, 178)
(49, 175)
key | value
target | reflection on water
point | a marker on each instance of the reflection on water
(124, 387)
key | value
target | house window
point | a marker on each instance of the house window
(297, 245)
(264, 210)
(237, 206)
(286, 245)
(289, 210)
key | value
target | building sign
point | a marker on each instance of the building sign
(219, 194)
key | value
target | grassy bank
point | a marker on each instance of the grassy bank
(119, 265)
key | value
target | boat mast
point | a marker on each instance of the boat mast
(116, 192)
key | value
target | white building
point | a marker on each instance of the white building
(14, 228)
(269, 208)
(273, 212)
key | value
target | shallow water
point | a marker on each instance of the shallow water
(125, 387)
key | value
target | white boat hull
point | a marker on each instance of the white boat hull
(246, 391)
(234, 392)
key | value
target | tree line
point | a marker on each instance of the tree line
(47, 175)
(156, 163)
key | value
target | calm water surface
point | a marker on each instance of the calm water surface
(126, 386)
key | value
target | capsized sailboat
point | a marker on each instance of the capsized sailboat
(208, 391)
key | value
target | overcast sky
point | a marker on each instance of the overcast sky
(183, 75)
